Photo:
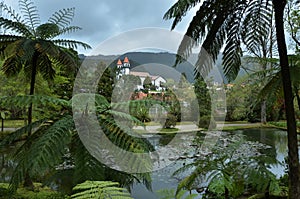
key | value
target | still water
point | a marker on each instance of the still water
(162, 179)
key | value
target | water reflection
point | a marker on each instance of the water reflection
(162, 179)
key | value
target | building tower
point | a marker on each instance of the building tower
(119, 69)
(126, 66)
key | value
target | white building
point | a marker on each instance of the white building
(124, 69)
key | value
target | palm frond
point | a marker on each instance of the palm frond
(30, 13)
(100, 189)
(63, 17)
(71, 43)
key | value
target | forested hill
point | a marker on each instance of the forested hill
(157, 64)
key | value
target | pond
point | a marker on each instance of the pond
(162, 179)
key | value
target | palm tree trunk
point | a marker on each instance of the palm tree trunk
(293, 156)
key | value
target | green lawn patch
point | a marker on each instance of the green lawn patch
(168, 130)
(13, 123)
(40, 192)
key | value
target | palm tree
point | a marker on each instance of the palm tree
(225, 24)
(33, 47)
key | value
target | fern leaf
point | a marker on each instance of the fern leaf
(43, 150)
(63, 17)
(12, 13)
(15, 26)
(100, 189)
(30, 13)
(71, 43)
(26, 100)
(179, 9)
(9, 139)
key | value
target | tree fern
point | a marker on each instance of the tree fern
(43, 150)
(217, 24)
(30, 13)
(170, 194)
(100, 189)
(63, 17)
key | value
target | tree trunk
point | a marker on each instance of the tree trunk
(263, 113)
(31, 92)
(297, 97)
(293, 156)
(2, 124)
(28, 181)
(226, 194)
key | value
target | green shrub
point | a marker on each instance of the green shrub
(170, 121)
(207, 122)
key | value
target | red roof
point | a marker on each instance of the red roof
(119, 62)
(126, 60)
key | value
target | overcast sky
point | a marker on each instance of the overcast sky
(102, 19)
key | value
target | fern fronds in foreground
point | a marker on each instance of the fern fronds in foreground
(100, 189)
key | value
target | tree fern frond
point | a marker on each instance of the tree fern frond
(11, 12)
(100, 189)
(11, 66)
(124, 117)
(256, 23)
(18, 27)
(179, 10)
(63, 17)
(68, 30)
(47, 151)
(43, 150)
(26, 100)
(87, 167)
(30, 13)
(45, 68)
(195, 32)
(170, 194)
(16, 135)
(7, 39)
(71, 43)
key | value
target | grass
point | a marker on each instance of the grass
(13, 123)
(233, 128)
(283, 125)
(40, 192)
(168, 130)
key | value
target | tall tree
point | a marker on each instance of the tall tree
(219, 24)
(32, 47)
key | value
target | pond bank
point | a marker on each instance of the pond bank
(192, 127)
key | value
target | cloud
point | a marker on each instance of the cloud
(100, 20)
